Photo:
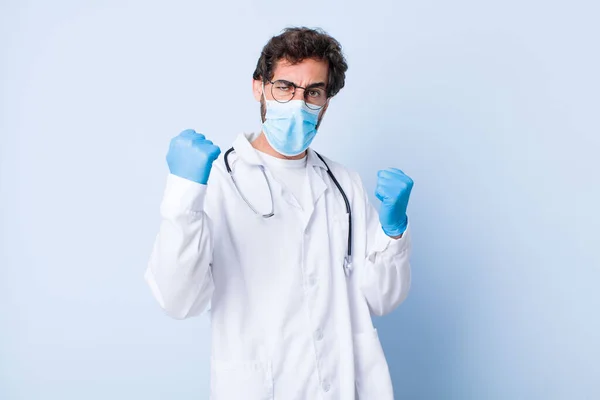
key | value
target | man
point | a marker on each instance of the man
(290, 284)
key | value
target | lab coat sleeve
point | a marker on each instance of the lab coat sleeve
(179, 270)
(385, 279)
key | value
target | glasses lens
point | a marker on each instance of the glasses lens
(315, 98)
(282, 91)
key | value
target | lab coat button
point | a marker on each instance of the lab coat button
(319, 334)
(312, 281)
(326, 386)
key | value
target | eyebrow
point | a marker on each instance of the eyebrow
(311, 86)
(316, 85)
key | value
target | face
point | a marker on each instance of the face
(306, 73)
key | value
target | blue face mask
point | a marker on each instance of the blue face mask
(290, 127)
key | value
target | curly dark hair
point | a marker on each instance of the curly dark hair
(299, 43)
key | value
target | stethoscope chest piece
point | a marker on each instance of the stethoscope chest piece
(347, 266)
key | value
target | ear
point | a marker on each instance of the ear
(257, 89)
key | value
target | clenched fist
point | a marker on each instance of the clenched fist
(191, 156)
(393, 189)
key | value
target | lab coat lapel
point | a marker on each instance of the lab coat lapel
(316, 172)
(318, 186)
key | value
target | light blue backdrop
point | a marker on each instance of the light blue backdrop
(492, 107)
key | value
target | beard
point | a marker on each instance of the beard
(263, 112)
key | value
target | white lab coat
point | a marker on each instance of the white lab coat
(286, 321)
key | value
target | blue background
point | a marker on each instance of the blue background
(492, 107)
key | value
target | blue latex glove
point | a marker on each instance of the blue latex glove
(191, 156)
(393, 189)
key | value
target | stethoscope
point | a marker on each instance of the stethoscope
(348, 257)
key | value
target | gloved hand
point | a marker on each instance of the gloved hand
(393, 189)
(191, 156)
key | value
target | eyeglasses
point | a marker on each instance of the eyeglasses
(283, 91)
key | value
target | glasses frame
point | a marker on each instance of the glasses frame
(296, 87)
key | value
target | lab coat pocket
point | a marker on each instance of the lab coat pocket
(371, 370)
(248, 380)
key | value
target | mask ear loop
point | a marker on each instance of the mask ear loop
(264, 96)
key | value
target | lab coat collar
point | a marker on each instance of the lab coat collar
(314, 160)
(246, 152)
(244, 149)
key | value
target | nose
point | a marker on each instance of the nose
(298, 94)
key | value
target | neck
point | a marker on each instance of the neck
(262, 144)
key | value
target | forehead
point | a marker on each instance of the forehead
(303, 73)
